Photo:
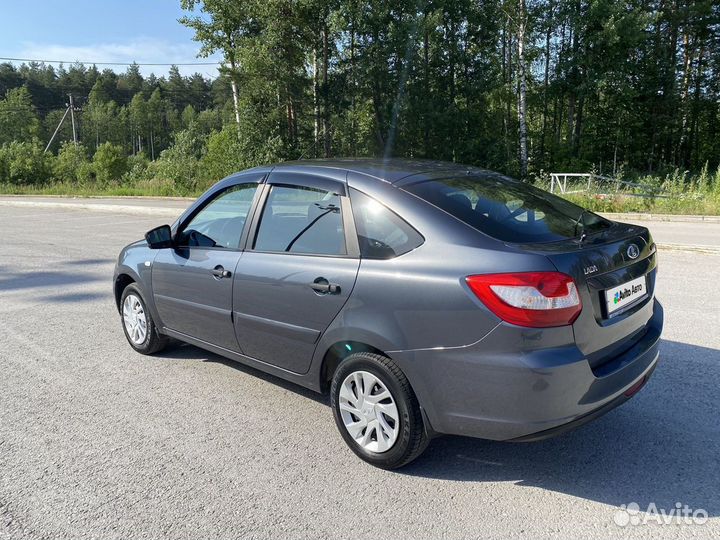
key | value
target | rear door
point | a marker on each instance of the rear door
(192, 282)
(298, 270)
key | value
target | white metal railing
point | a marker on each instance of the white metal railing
(567, 183)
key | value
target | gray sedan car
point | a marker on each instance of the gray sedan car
(427, 298)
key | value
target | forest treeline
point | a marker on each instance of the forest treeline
(524, 87)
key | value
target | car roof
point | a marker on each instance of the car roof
(390, 170)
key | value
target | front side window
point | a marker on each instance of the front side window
(507, 210)
(220, 223)
(299, 219)
(382, 234)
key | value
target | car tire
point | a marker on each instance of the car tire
(138, 324)
(387, 433)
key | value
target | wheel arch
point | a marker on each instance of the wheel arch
(336, 353)
(343, 346)
(122, 280)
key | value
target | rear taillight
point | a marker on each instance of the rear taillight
(534, 299)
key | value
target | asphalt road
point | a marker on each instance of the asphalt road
(684, 233)
(98, 441)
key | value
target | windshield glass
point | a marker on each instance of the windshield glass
(508, 210)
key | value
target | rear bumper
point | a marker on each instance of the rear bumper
(484, 391)
(610, 405)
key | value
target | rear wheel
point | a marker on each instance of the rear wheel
(376, 411)
(138, 324)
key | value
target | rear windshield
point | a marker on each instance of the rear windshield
(508, 210)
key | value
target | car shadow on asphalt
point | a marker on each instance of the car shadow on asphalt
(183, 351)
(660, 447)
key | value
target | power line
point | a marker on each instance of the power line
(40, 61)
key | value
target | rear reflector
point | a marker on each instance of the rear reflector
(533, 299)
(635, 388)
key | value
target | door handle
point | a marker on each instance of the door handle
(219, 272)
(323, 286)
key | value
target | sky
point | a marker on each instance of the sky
(144, 31)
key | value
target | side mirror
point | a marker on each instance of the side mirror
(159, 237)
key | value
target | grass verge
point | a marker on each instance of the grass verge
(78, 190)
(682, 195)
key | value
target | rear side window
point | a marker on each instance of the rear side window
(382, 234)
(507, 210)
(299, 219)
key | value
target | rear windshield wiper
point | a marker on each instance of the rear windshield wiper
(579, 222)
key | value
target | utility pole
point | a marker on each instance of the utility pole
(72, 117)
(57, 129)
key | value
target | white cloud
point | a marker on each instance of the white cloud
(142, 50)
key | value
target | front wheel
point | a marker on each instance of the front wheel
(138, 324)
(376, 411)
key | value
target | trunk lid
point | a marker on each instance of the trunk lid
(604, 262)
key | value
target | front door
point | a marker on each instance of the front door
(192, 282)
(297, 272)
